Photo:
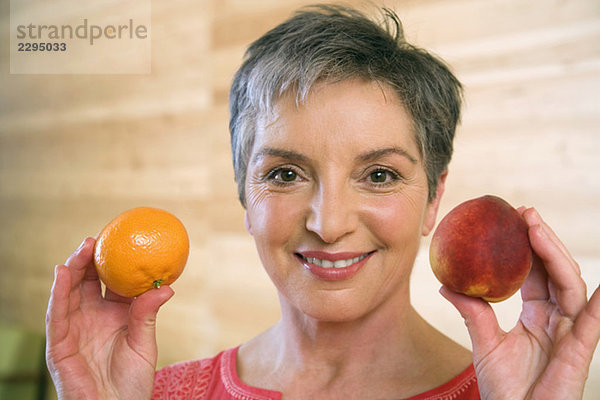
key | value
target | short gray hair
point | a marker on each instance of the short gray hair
(330, 43)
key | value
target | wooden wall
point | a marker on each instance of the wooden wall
(75, 150)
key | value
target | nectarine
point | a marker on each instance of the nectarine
(481, 249)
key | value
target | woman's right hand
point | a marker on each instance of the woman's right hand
(99, 347)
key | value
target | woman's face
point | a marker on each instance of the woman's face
(336, 197)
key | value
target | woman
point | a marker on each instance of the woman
(341, 137)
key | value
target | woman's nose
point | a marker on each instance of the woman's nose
(332, 213)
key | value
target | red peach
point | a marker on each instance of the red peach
(481, 249)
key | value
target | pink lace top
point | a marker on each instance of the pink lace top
(216, 379)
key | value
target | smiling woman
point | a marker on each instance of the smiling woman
(341, 135)
(344, 135)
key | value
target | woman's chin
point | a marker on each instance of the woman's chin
(331, 307)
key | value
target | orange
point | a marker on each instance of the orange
(141, 249)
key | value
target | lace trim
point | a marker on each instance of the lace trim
(463, 382)
(229, 374)
(186, 380)
(190, 380)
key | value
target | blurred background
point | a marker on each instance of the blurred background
(76, 150)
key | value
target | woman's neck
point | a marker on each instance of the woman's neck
(391, 350)
(306, 340)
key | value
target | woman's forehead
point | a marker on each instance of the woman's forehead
(346, 112)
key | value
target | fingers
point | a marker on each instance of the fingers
(535, 286)
(84, 274)
(480, 320)
(85, 283)
(142, 321)
(67, 278)
(533, 218)
(587, 326)
(58, 306)
(81, 264)
(563, 271)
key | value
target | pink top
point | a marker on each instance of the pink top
(216, 379)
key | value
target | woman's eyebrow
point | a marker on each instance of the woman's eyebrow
(282, 153)
(379, 153)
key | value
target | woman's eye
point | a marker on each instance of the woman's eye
(287, 175)
(382, 176)
(283, 175)
(378, 176)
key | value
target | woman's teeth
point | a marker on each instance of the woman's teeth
(334, 264)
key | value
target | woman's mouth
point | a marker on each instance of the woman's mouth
(333, 266)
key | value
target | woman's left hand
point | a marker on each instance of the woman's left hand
(548, 353)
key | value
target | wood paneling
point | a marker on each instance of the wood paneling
(75, 150)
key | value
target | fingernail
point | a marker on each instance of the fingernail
(442, 291)
(543, 232)
(537, 214)
(80, 246)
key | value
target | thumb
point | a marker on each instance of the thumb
(480, 320)
(142, 321)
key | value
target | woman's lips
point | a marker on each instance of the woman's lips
(333, 266)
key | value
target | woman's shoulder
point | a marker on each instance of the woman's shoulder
(446, 367)
(209, 378)
(186, 369)
(461, 387)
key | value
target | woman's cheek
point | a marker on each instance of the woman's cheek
(274, 215)
(256, 193)
(393, 216)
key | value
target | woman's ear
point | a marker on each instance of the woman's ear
(434, 204)
(247, 223)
